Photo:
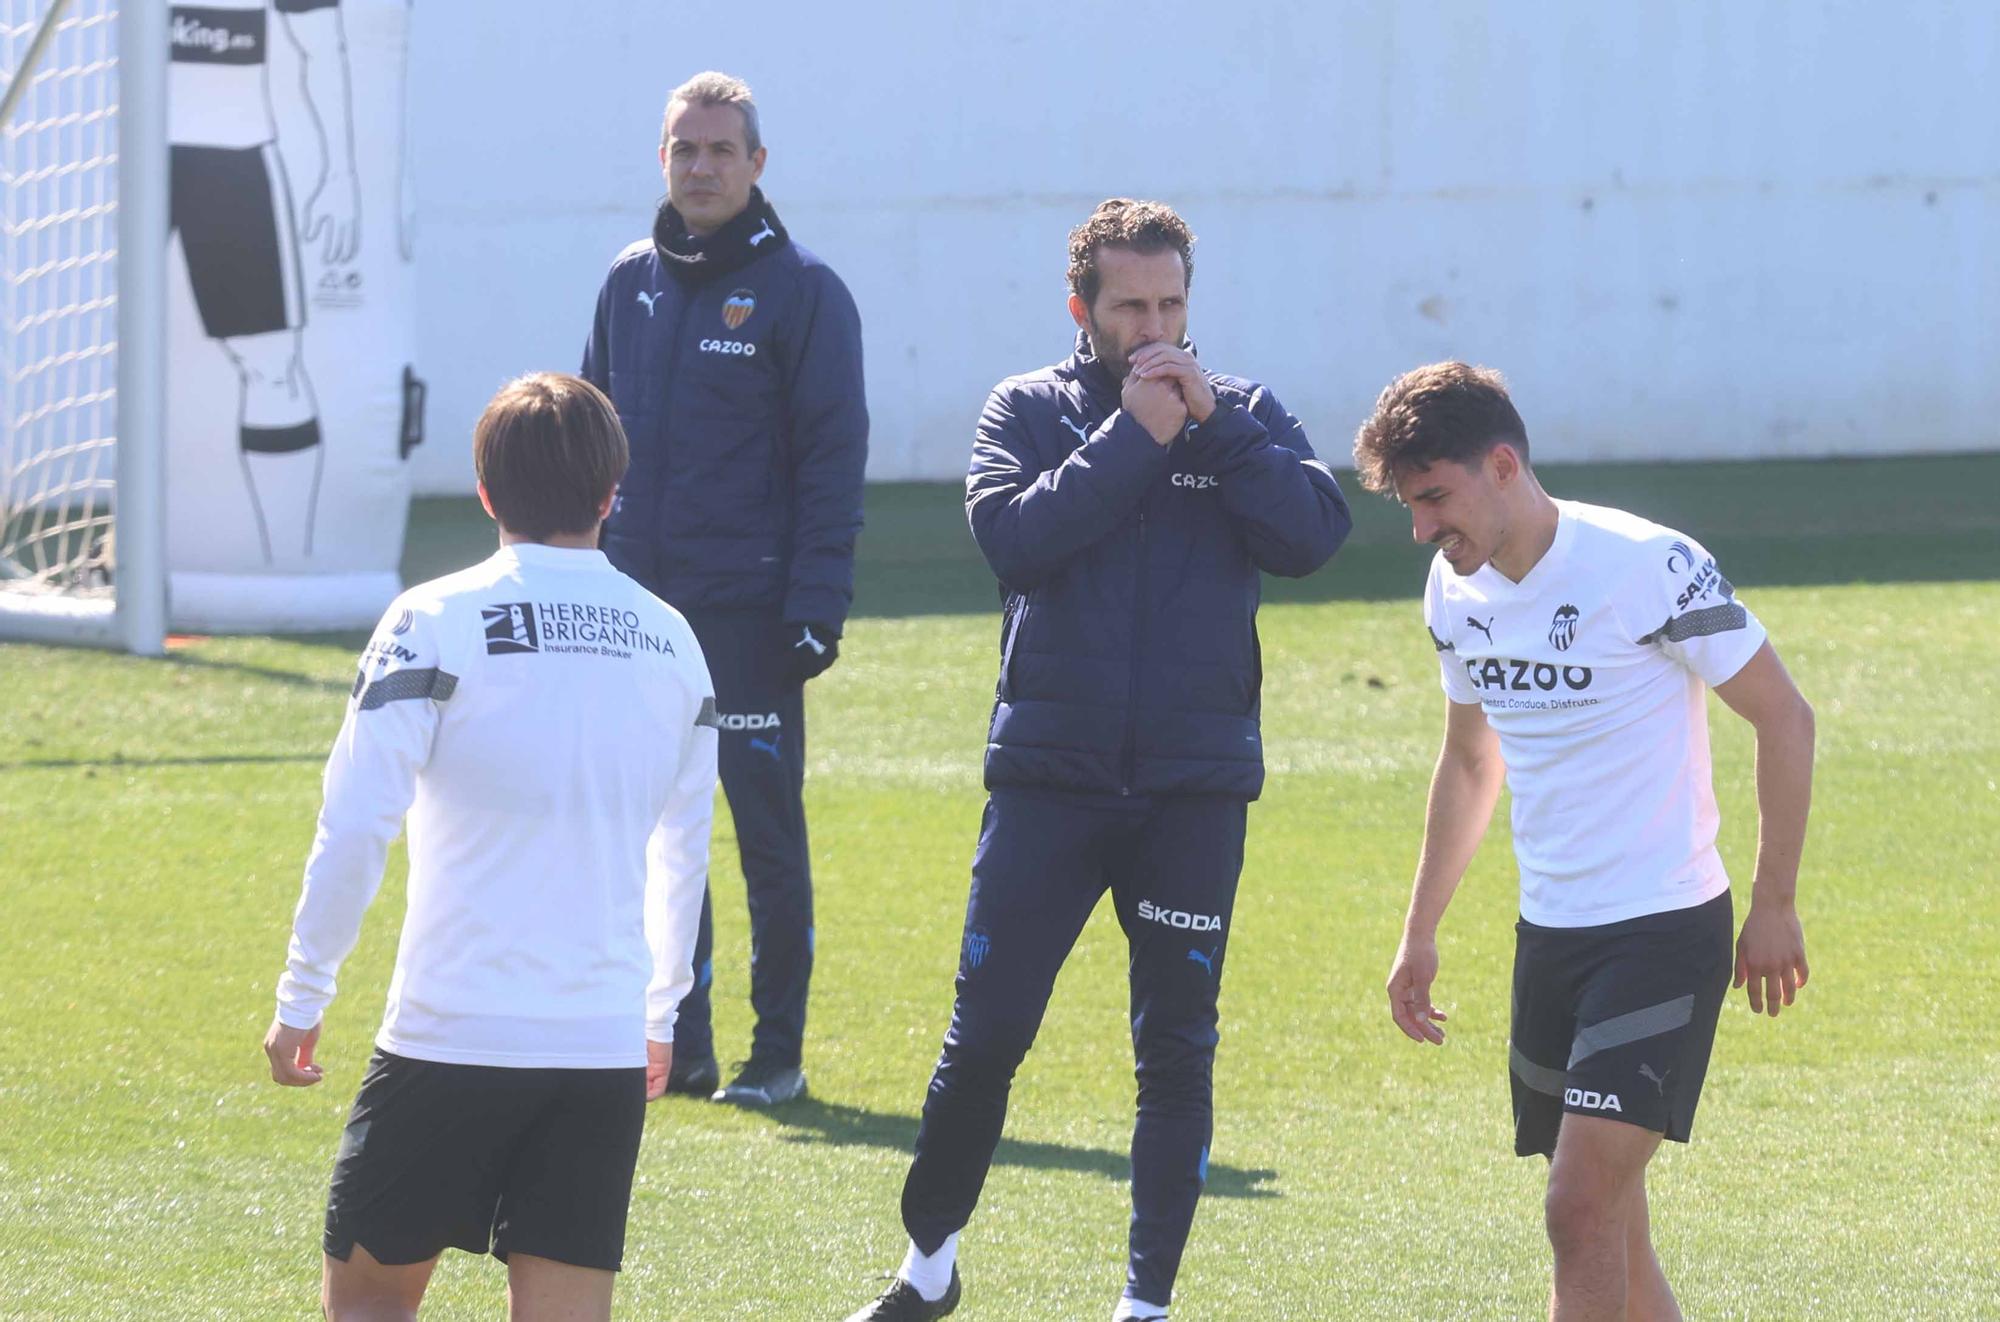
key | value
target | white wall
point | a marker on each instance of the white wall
(1684, 228)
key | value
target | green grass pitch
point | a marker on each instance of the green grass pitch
(154, 817)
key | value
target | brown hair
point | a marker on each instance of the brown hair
(1449, 411)
(1123, 222)
(717, 89)
(548, 450)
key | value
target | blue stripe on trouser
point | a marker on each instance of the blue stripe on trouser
(1040, 866)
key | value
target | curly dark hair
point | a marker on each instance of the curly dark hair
(1124, 222)
(1443, 411)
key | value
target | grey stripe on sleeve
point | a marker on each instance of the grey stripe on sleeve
(1621, 1029)
(1701, 623)
(430, 682)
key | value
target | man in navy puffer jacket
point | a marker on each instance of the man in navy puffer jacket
(1127, 500)
(734, 359)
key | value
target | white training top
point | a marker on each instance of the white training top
(1591, 670)
(549, 726)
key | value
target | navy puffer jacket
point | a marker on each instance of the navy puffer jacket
(1129, 660)
(739, 383)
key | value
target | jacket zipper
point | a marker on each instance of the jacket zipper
(660, 513)
(1131, 755)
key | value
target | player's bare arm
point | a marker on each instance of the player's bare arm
(1771, 950)
(1464, 788)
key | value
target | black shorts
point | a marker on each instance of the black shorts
(234, 213)
(478, 1157)
(1617, 1021)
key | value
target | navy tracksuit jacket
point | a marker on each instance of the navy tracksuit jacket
(1123, 753)
(735, 365)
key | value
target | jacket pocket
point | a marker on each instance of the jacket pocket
(1017, 617)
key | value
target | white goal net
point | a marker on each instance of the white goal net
(79, 323)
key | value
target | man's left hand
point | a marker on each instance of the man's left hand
(1771, 957)
(1160, 359)
(290, 1051)
(659, 1061)
(811, 648)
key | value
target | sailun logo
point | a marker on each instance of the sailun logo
(1682, 552)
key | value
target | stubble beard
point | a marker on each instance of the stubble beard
(1110, 355)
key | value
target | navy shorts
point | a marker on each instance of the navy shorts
(1617, 1020)
(484, 1158)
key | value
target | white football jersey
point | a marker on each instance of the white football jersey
(549, 727)
(1592, 671)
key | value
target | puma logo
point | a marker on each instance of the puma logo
(1207, 961)
(1486, 628)
(768, 746)
(648, 300)
(766, 233)
(1659, 1080)
(1081, 434)
(807, 640)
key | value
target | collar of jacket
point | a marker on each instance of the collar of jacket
(1094, 376)
(1086, 367)
(754, 232)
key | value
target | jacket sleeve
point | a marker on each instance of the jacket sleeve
(1283, 499)
(1028, 521)
(677, 870)
(596, 367)
(827, 422)
(371, 778)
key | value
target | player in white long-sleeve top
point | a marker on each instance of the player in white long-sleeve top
(548, 728)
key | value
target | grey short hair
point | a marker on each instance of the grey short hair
(717, 89)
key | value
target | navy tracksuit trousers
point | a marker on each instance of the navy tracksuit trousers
(762, 758)
(1171, 865)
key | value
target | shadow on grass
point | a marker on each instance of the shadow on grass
(350, 643)
(813, 1121)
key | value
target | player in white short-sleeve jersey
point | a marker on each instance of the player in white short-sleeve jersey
(549, 728)
(1576, 645)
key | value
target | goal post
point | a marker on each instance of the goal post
(83, 207)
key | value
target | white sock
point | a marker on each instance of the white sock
(1130, 1310)
(930, 1273)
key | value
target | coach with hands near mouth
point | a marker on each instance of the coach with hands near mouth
(1127, 500)
(733, 356)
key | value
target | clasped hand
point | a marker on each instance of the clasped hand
(1165, 389)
